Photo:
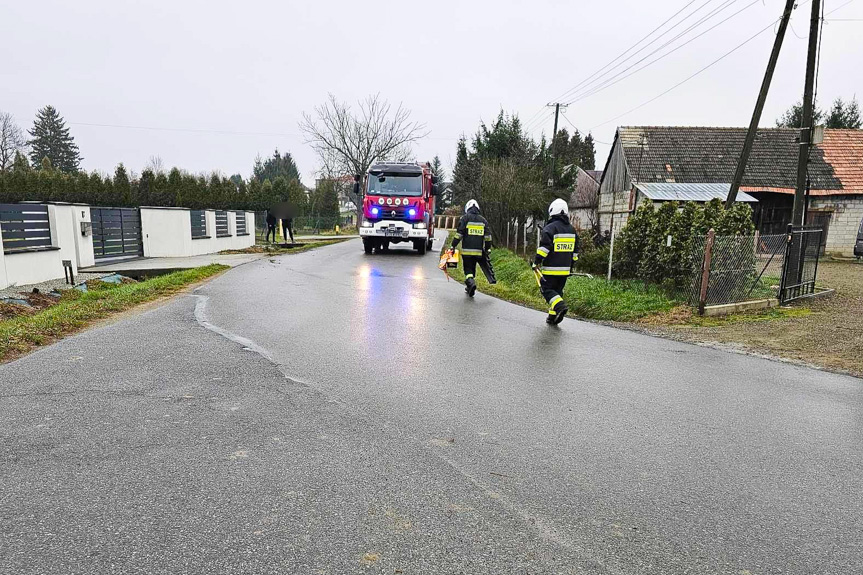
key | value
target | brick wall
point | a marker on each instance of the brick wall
(847, 211)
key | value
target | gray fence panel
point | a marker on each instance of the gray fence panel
(199, 224)
(24, 226)
(222, 230)
(116, 232)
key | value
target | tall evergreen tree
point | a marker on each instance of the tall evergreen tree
(51, 139)
(793, 116)
(275, 166)
(466, 174)
(845, 115)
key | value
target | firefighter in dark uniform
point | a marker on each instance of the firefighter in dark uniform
(555, 256)
(475, 236)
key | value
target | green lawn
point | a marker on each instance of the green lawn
(77, 309)
(619, 300)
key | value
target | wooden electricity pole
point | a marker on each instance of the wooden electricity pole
(808, 104)
(554, 141)
(759, 105)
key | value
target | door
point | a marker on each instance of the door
(116, 232)
(820, 220)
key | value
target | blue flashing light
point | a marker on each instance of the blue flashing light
(412, 212)
(375, 211)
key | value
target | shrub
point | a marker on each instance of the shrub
(643, 244)
(633, 240)
(594, 261)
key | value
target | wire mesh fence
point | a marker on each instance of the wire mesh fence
(741, 268)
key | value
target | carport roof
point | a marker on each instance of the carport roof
(665, 191)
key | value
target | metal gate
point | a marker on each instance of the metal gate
(116, 232)
(820, 220)
(802, 251)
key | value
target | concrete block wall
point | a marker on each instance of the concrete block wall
(167, 232)
(25, 268)
(4, 282)
(847, 212)
(621, 210)
(64, 234)
(83, 244)
(31, 267)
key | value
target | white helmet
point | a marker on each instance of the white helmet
(471, 204)
(558, 207)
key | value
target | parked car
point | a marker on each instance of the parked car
(858, 247)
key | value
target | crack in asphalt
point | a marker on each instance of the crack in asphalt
(544, 529)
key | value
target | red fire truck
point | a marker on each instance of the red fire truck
(398, 206)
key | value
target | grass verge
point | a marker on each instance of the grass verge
(619, 300)
(276, 250)
(76, 309)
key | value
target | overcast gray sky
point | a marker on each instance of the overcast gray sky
(251, 68)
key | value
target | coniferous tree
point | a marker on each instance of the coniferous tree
(844, 115)
(275, 166)
(122, 192)
(51, 139)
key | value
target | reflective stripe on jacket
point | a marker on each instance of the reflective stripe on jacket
(474, 234)
(557, 245)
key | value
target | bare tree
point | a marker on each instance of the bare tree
(155, 165)
(11, 140)
(348, 143)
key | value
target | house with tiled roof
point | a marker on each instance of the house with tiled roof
(698, 163)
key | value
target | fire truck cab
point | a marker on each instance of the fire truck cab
(398, 206)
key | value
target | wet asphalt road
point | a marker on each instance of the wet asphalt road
(331, 412)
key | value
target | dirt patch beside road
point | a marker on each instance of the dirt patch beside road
(830, 335)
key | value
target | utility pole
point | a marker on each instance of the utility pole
(759, 105)
(807, 128)
(554, 140)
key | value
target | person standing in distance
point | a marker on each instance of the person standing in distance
(475, 235)
(555, 256)
(271, 225)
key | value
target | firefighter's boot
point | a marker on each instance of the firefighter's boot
(470, 286)
(560, 310)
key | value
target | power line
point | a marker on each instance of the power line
(690, 77)
(537, 123)
(191, 130)
(609, 82)
(625, 52)
(576, 128)
(710, 65)
(209, 131)
(536, 119)
(587, 90)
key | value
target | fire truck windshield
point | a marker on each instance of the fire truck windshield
(392, 185)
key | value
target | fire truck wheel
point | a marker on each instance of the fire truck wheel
(421, 247)
(430, 244)
(367, 246)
